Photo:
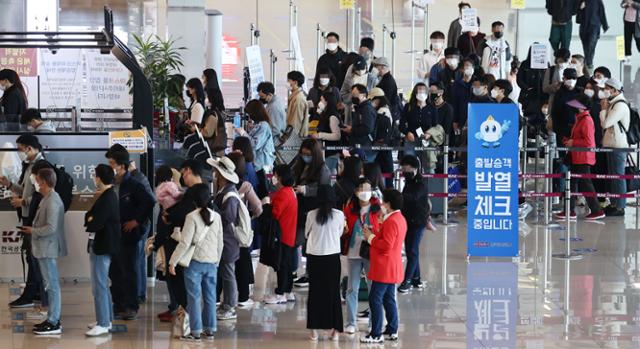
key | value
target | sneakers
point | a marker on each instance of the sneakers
(417, 284)
(614, 212)
(94, 324)
(404, 287)
(227, 315)
(563, 215)
(595, 216)
(127, 315)
(388, 335)
(301, 282)
(97, 331)
(190, 338)
(246, 304)
(313, 335)
(21, 302)
(350, 329)
(291, 297)
(370, 339)
(275, 299)
(364, 314)
(47, 328)
(208, 334)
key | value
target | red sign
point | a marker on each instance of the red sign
(23, 60)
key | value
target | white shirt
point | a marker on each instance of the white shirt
(428, 60)
(323, 240)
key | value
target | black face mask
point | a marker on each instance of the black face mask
(355, 101)
(263, 101)
(408, 175)
(498, 35)
(434, 96)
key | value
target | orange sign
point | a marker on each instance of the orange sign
(23, 60)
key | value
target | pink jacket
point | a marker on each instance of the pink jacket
(168, 194)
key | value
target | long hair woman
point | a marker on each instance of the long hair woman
(196, 95)
(329, 128)
(212, 88)
(14, 100)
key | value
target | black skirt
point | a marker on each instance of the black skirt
(324, 307)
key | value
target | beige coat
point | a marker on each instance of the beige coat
(298, 113)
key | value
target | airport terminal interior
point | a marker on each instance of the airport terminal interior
(445, 164)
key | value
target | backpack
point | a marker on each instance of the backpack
(243, 231)
(633, 133)
(385, 132)
(64, 185)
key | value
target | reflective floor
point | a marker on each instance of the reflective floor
(537, 301)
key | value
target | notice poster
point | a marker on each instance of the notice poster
(60, 78)
(256, 70)
(469, 20)
(492, 305)
(23, 60)
(620, 52)
(493, 180)
(539, 56)
(106, 81)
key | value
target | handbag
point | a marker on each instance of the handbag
(365, 250)
(181, 325)
(633, 184)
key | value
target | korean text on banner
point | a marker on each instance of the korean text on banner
(347, 4)
(620, 52)
(492, 303)
(23, 60)
(256, 70)
(493, 180)
(518, 4)
(134, 140)
(469, 20)
(539, 56)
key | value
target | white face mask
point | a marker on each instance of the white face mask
(324, 81)
(364, 195)
(437, 45)
(274, 180)
(34, 182)
(571, 83)
(332, 46)
(563, 66)
(289, 88)
(604, 94)
(495, 93)
(545, 111)
(468, 72)
(478, 91)
(589, 93)
(421, 97)
(321, 107)
(452, 62)
(22, 156)
(601, 82)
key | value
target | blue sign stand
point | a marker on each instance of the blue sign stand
(492, 170)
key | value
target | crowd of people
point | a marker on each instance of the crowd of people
(273, 189)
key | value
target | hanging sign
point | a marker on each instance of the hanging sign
(539, 56)
(256, 70)
(135, 141)
(347, 4)
(469, 20)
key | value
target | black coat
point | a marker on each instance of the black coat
(562, 11)
(103, 219)
(532, 97)
(592, 17)
(562, 115)
(390, 88)
(363, 124)
(416, 207)
(13, 102)
(333, 61)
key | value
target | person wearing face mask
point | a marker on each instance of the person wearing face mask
(356, 75)
(332, 58)
(601, 75)
(578, 63)
(14, 99)
(501, 91)
(136, 209)
(461, 95)
(447, 73)
(553, 77)
(532, 96)
(212, 88)
(284, 209)
(362, 128)
(48, 244)
(297, 117)
(582, 136)
(417, 117)
(387, 82)
(386, 268)
(329, 129)
(323, 82)
(416, 210)
(455, 28)
(480, 91)
(347, 180)
(102, 222)
(366, 50)
(496, 53)
(385, 126)
(591, 91)
(362, 210)
(562, 116)
(591, 17)
(615, 119)
(470, 42)
(443, 110)
(30, 152)
(33, 119)
(432, 57)
(196, 109)
(275, 107)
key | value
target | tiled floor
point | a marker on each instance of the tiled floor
(507, 304)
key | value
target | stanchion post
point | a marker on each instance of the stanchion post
(524, 156)
(384, 40)
(568, 254)
(445, 203)
(413, 42)
(319, 35)
(547, 170)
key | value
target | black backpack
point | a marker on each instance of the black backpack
(633, 133)
(64, 185)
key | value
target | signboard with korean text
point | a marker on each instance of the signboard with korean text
(492, 305)
(256, 70)
(347, 4)
(469, 20)
(518, 4)
(492, 180)
(620, 52)
(539, 56)
(23, 60)
(134, 140)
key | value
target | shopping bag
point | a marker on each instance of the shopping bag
(181, 325)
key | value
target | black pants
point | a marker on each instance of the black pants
(262, 184)
(385, 160)
(124, 282)
(244, 274)
(285, 274)
(629, 35)
(589, 38)
(583, 185)
(34, 288)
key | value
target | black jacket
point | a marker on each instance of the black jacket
(333, 61)
(562, 115)
(136, 203)
(416, 207)
(532, 97)
(561, 11)
(388, 85)
(363, 124)
(13, 102)
(592, 17)
(103, 219)
(414, 117)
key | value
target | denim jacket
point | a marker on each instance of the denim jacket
(262, 142)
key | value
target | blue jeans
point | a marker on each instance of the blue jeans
(200, 282)
(615, 165)
(141, 265)
(100, 288)
(383, 296)
(355, 265)
(412, 247)
(51, 280)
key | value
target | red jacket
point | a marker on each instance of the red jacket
(386, 251)
(583, 136)
(351, 217)
(285, 210)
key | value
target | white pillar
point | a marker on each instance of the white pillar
(214, 42)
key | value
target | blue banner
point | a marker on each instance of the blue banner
(492, 305)
(492, 170)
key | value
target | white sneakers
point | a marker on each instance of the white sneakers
(96, 331)
(246, 304)
(291, 297)
(350, 329)
(275, 299)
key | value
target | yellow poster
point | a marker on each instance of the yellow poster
(620, 47)
(135, 141)
(347, 4)
(518, 4)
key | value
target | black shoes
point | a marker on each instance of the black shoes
(613, 212)
(126, 315)
(301, 282)
(47, 328)
(404, 287)
(21, 302)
